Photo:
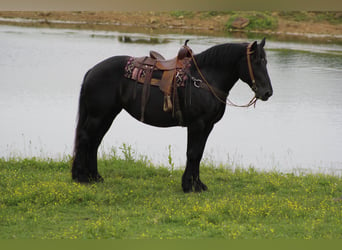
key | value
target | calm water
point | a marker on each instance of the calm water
(298, 128)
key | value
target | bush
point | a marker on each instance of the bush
(257, 20)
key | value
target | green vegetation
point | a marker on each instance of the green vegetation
(268, 19)
(214, 13)
(182, 13)
(265, 20)
(38, 200)
(313, 16)
(257, 20)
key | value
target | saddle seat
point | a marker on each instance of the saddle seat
(159, 62)
(156, 55)
(177, 62)
(143, 69)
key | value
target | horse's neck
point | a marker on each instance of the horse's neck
(220, 66)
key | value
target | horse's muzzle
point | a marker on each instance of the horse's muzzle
(264, 96)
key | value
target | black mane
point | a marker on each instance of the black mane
(222, 54)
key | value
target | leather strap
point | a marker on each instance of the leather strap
(250, 69)
(146, 91)
(218, 93)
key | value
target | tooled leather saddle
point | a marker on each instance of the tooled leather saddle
(167, 74)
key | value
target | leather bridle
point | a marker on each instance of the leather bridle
(250, 69)
(212, 89)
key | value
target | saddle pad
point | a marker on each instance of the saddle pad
(139, 73)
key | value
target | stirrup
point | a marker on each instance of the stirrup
(167, 103)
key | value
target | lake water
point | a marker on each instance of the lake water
(298, 128)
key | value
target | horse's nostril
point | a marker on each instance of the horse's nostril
(268, 94)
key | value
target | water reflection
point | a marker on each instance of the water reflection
(151, 40)
(299, 127)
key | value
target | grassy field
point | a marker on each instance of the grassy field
(38, 200)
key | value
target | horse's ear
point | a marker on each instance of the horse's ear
(262, 44)
(254, 46)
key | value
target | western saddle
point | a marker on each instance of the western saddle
(167, 74)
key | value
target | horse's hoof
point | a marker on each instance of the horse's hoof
(200, 189)
(200, 186)
(99, 178)
(87, 179)
(187, 190)
(187, 187)
(96, 179)
(193, 185)
(81, 179)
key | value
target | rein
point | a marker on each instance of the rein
(212, 89)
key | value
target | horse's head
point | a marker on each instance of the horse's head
(254, 72)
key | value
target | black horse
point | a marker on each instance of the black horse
(105, 92)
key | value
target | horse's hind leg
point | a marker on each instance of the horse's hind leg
(88, 139)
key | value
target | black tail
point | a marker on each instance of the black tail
(81, 120)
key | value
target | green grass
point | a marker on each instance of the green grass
(332, 17)
(38, 200)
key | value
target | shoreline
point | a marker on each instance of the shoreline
(171, 22)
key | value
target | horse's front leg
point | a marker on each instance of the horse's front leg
(197, 137)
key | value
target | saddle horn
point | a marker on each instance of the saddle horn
(185, 51)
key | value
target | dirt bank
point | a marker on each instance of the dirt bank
(327, 25)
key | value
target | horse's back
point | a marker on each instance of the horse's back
(106, 88)
(101, 85)
(111, 66)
